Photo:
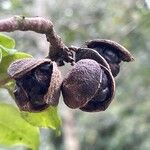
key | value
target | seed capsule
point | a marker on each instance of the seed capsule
(37, 83)
(112, 52)
(88, 86)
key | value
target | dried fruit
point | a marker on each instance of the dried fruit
(112, 52)
(104, 95)
(37, 83)
(88, 53)
(89, 86)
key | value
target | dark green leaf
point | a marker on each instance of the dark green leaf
(15, 130)
(48, 118)
(7, 41)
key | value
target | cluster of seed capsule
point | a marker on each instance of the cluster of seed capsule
(89, 86)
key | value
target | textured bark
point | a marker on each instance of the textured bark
(58, 51)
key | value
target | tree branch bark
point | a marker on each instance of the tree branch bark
(36, 24)
(58, 51)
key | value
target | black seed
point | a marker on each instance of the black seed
(104, 80)
(111, 56)
(103, 92)
(43, 73)
(45, 68)
(115, 69)
(38, 107)
(100, 50)
(20, 94)
(97, 102)
(27, 82)
(101, 95)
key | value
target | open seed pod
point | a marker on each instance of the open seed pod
(81, 83)
(38, 83)
(88, 53)
(104, 95)
(113, 52)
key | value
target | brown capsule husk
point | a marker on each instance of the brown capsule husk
(112, 52)
(81, 83)
(122, 51)
(91, 106)
(21, 67)
(53, 94)
(88, 53)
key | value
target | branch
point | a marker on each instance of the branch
(58, 51)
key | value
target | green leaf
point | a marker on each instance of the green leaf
(10, 58)
(6, 60)
(7, 41)
(0, 55)
(7, 51)
(48, 118)
(15, 130)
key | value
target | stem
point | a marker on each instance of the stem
(58, 51)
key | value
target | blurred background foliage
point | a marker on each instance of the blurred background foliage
(125, 125)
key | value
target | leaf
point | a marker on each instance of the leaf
(10, 58)
(0, 55)
(47, 118)
(7, 41)
(15, 130)
(7, 51)
(6, 62)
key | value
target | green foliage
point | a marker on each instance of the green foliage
(0, 55)
(7, 55)
(15, 130)
(7, 41)
(6, 60)
(47, 118)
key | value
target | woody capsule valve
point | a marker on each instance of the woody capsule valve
(38, 83)
(104, 95)
(88, 53)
